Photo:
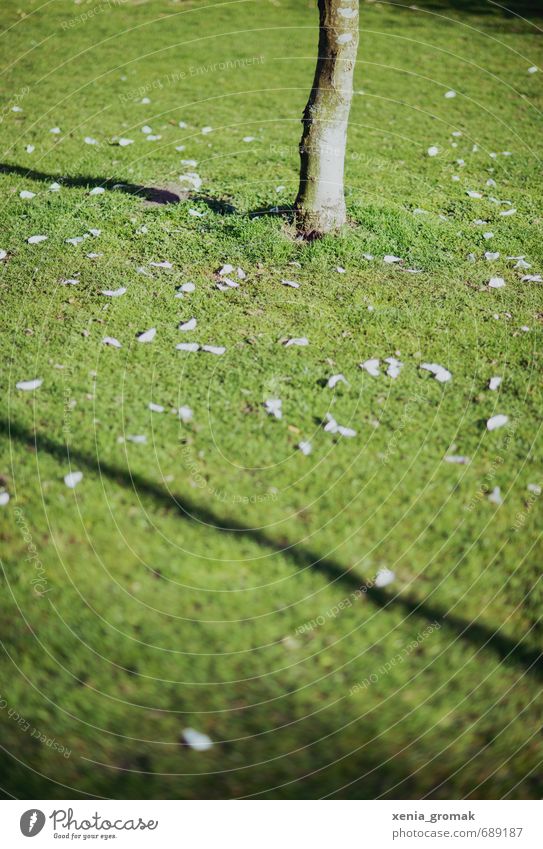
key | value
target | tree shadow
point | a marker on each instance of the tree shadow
(151, 195)
(474, 633)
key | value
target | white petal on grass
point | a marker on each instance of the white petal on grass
(332, 426)
(185, 414)
(30, 148)
(335, 379)
(4, 498)
(155, 408)
(506, 212)
(496, 422)
(111, 341)
(196, 740)
(26, 195)
(218, 350)
(473, 194)
(535, 488)
(496, 283)
(495, 497)
(299, 341)
(226, 269)
(125, 142)
(206, 130)
(35, 240)
(75, 240)
(164, 264)
(196, 213)
(305, 448)
(114, 293)
(488, 235)
(72, 479)
(3, 254)
(192, 178)
(146, 130)
(533, 69)
(433, 150)
(54, 187)
(371, 366)
(98, 190)
(147, 335)
(292, 283)
(70, 281)
(248, 139)
(137, 439)
(227, 283)
(494, 383)
(441, 374)
(188, 325)
(90, 140)
(55, 131)
(273, 407)
(29, 385)
(457, 459)
(390, 259)
(450, 94)
(191, 347)
(152, 138)
(384, 577)
(394, 367)
(532, 278)
(492, 255)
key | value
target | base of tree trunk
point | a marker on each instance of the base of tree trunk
(315, 223)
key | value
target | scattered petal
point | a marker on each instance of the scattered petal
(214, 349)
(147, 335)
(492, 255)
(273, 407)
(384, 577)
(506, 212)
(371, 366)
(458, 459)
(188, 325)
(90, 140)
(535, 488)
(394, 368)
(494, 382)
(185, 414)
(450, 94)
(301, 341)
(335, 379)
(291, 283)
(164, 264)
(137, 439)
(432, 151)
(473, 194)
(29, 385)
(495, 497)
(25, 195)
(155, 408)
(305, 447)
(188, 346)
(496, 283)
(98, 190)
(125, 142)
(110, 340)
(196, 740)
(35, 240)
(4, 498)
(113, 293)
(497, 421)
(441, 374)
(390, 258)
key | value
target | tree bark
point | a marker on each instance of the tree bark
(320, 204)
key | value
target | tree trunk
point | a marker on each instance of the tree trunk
(320, 205)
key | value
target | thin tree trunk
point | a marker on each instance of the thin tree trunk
(320, 205)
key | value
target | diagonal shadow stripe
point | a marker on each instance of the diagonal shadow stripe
(477, 635)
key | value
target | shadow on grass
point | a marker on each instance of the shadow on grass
(477, 635)
(152, 195)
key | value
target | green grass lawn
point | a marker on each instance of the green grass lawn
(215, 577)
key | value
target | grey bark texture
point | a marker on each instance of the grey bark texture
(320, 204)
